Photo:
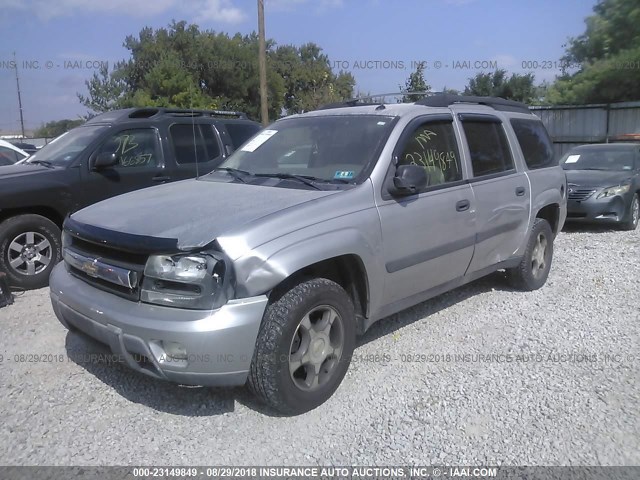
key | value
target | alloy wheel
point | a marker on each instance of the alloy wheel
(29, 253)
(316, 348)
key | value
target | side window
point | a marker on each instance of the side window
(535, 143)
(135, 148)
(241, 132)
(433, 146)
(194, 143)
(490, 152)
(8, 156)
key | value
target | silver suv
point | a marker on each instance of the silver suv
(265, 271)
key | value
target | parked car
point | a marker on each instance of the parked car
(604, 184)
(265, 270)
(113, 153)
(10, 154)
(29, 148)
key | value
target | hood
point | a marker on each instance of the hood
(194, 212)
(20, 169)
(597, 178)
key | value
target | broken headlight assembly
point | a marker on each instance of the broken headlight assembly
(187, 280)
(613, 191)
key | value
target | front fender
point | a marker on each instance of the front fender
(262, 269)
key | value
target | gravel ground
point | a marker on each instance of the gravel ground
(569, 396)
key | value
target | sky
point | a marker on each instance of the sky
(60, 43)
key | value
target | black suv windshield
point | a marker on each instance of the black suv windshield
(334, 149)
(65, 148)
(614, 159)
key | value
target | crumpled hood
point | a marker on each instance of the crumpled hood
(194, 212)
(597, 178)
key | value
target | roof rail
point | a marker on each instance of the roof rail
(360, 101)
(147, 112)
(497, 103)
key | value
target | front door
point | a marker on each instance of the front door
(140, 164)
(428, 237)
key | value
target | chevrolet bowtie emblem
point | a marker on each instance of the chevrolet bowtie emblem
(90, 268)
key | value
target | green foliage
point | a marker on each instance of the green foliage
(498, 84)
(55, 128)
(607, 55)
(415, 83)
(308, 79)
(184, 67)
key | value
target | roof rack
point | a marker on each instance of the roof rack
(497, 103)
(362, 101)
(147, 112)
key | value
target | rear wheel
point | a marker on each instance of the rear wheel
(304, 347)
(634, 214)
(533, 270)
(29, 249)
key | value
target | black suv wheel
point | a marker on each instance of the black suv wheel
(29, 249)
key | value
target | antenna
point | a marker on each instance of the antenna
(15, 64)
(193, 127)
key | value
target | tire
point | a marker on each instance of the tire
(30, 247)
(287, 354)
(634, 214)
(533, 270)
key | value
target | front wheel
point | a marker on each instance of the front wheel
(533, 270)
(634, 214)
(29, 249)
(304, 347)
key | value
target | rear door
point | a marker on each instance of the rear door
(428, 238)
(195, 149)
(502, 192)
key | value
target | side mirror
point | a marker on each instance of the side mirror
(104, 160)
(409, 179)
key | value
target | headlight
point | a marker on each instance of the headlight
(613, 191)
(183, 280)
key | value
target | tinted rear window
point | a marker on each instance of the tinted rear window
(241, 132)
(535, 143)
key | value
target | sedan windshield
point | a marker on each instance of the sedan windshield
(329, 149)
(66, 148)
(614, 159)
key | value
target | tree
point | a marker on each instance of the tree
(606, 56)
(185, 67)
(415, 83)
(56, 127)
(308, 79)
(498, 84)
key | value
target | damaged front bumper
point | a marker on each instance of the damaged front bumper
(191, 347)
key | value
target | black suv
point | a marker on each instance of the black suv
(113, 153)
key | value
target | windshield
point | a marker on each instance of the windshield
(66, 148)
(614, 159)
(332, 149)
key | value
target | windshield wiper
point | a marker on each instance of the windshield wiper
(46, 163)
(306, 179)
(234, 172)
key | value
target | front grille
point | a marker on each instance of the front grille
(580, 194)
(110, 256)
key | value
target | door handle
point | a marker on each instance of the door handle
(161, 178)
(520, 191)
(463, 205)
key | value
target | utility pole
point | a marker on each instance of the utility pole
(15, 64)
(262, 64)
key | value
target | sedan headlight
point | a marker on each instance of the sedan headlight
(613, 191)
(183, 280)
